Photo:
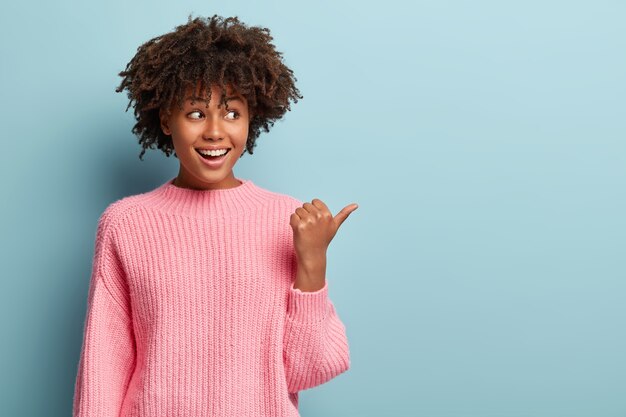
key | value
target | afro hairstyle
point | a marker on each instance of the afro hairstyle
(206, 52)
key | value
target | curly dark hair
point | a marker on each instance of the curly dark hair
(206, 52)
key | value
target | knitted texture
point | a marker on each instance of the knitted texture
(191, 310)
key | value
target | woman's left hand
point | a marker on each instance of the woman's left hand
(313, 229)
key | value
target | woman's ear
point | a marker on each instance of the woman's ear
(164, 122)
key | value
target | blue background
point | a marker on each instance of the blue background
(484, 271)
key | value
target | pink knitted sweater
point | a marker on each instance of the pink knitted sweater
(191, 309)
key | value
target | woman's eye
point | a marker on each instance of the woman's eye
(194, 112)
(235, 114)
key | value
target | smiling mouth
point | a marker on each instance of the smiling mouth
(210, 158)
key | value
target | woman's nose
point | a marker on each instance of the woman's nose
(213, 129)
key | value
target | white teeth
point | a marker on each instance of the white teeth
(213, 153)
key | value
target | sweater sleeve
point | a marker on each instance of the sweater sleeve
(108, 353)
(315, 343)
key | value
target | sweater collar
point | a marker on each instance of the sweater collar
(226, 202)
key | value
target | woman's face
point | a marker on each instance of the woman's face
(199, 127)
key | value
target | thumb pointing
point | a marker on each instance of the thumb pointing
(344, 213)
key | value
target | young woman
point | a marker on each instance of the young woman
(208, 294)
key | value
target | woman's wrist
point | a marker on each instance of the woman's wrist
(311, 273)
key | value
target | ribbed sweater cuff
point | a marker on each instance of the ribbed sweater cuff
(308, 306)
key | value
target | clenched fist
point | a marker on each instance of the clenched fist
(314, 227)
